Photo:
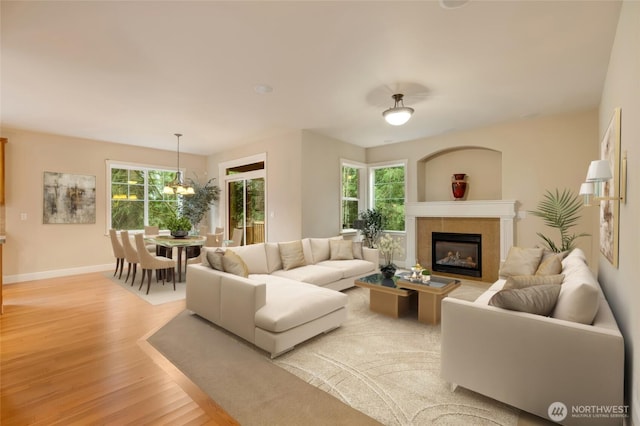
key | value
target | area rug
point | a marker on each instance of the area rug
(242, 380)
(386, 368)
(158, 293)
(390, 369)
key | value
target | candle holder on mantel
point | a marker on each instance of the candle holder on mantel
(459, 185)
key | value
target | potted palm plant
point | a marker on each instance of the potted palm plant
(560, 211)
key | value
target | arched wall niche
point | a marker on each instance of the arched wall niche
(482, 166)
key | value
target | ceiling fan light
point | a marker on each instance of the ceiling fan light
(397, 116)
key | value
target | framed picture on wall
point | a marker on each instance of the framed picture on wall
(68, 198)
(609, 209)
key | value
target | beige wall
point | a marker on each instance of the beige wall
(621, 285)
(538, 154)
(321, 158)
(35, 250)
(284, 187)
(483, 168)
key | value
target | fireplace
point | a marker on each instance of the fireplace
(456, 253)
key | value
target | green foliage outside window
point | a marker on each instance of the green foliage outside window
(128, 201)
(350, 195)
(389, 195)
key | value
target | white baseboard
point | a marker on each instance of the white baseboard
(11, 279)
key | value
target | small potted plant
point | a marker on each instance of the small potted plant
(426, 275)
(388, 246)
(178, 225)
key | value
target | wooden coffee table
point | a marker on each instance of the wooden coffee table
(430, 296)
(385, 297)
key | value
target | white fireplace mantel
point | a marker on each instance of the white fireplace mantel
(505, 210)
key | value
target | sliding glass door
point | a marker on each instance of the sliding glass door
(246, 207)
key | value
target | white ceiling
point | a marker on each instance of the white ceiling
(138, 72)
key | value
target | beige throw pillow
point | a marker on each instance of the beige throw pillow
(521, 261)
(551, 265)
(341, 249)
(234, 264)
(522, 281)
(291, 254)
(357, 250)
(539, 300)
(214, 257)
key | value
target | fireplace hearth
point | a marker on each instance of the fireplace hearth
(457, 253)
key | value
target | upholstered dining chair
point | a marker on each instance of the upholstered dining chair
(131, 254)
(214, 240)
(118, 252)
(236, 238)
(149, 263)
(151, 230)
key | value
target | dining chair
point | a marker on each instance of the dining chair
(118, 252)
(151, 231)
(214, 240)
(131, 254)
(218, 230)
(236, 238)
(149, 263)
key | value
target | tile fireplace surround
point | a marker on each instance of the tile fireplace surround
(505, 210)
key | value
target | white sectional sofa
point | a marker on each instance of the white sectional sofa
(574, 356)
(278, 304)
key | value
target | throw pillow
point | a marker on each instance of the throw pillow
(320, 249)
(578, 302)
(214, 257)
(341, 249)
(357, 250)
(522, 281)
(291, 254)
(551, 265)
(539, 300)
(521, 261)
(234, 264)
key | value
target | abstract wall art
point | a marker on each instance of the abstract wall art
(68, 198)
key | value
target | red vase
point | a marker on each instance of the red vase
(459, 185)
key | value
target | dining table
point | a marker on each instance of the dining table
(166, 243)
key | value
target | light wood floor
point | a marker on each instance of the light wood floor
(73, 350)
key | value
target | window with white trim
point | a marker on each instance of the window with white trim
(387, 191)
(352, 190)
(136, 197)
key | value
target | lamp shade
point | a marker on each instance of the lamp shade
(587, 188)
(599, 171)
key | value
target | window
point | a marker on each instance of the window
(136, 198)
(351, 195)
(388, 194)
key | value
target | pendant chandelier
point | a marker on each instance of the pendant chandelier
(177, 186)
(398, 114)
